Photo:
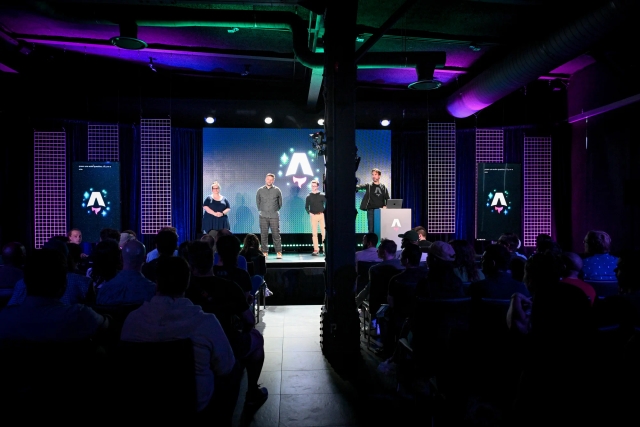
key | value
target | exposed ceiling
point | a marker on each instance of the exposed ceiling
(271, 52)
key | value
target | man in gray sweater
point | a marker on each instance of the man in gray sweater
(269, 202)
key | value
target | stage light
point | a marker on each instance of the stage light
(321, 122)
(385, 122)
(268, 120)
(210, 120)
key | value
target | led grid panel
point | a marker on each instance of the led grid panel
(489, 149)
(155, 171)
(537, 188)
(441, 197)
(49, 185)
(103, 143)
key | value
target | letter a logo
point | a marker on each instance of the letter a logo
(395, 224)
(499, 197)
(299, 160)
(96, 197)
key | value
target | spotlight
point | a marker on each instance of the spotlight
(268, 120)
(210, 120)
(321, 122)
(385, 122)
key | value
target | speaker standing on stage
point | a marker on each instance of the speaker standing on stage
(269, 202)
(375, 197)
(315, 205)
(216, 207)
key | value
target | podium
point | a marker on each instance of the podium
(388, 223)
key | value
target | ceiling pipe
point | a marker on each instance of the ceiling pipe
(538, 58)
(291, 22)
(165, 16)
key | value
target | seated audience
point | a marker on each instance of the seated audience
(498, 283)
(251, 247)
(155, 253)
(78, 287)
(106, 262)
(170, 316)
(624, 309)
(572, 264)
(465, 261)
(125, 236)
(11, 272)
(377, 288)
(441, 281)
(42, 316)
(411, 237)
(598, 263)
(228, 250)
(227, 301)
(369, 253)
(241, 260)
(422, 237)
(512, 242)
(166, 246)
(129, 286)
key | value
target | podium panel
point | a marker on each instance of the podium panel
(388, 223)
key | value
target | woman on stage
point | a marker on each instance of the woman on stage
(216, 207)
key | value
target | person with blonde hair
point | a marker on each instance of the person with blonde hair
(216, 207)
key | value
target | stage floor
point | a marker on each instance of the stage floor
(295, 260)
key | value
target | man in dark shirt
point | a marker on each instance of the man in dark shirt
(269, 203)
(314, 205)
(375, 196)
(498, 283)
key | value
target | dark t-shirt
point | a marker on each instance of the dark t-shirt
(235, 274)
(221, 297)
(376, 200)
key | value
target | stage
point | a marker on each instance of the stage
(296, 279)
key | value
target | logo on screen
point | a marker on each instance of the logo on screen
(94, 202)
(497, 202)
(298, 162)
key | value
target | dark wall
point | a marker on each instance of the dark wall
(605, 158)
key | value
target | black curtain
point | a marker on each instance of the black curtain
(409, 174)
(186, 181)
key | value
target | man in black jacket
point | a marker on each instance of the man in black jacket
(375, 196)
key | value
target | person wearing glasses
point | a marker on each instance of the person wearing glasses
(216, 207)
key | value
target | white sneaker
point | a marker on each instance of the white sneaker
(267, 292)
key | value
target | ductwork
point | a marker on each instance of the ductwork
(536, 59)
(291, 22)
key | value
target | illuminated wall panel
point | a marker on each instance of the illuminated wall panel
(103, 143)
(155, 168)
(537, 188)
(441, 197)
(49, 185)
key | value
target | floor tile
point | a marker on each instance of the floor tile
(271, 380)
(272, 361)
(309, 330)
(272, 331)
(316, 410)
(304, 361)
(313, 382)
(301, 343)
(273, 344)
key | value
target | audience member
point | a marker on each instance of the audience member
(251, 247)
(125, 236)
(408, 238)
(227, 301)
(422, 237)
(11, 272)
(228, 250)
(377, 288)
(129, 286)
(465, 266)
(171, 316)
(155, 253)
(512, 242)
(369, 253)
(572, 264)
(441, 281)
(107, 261)
(598, 263)
(42, 316)
(78, 287)
(166, 246)
(109, 233)
(498, 283)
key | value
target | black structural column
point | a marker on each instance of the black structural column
(340, 132)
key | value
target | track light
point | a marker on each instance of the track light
(268, 120)
(210, 120)
(385, 122)
(321, 122)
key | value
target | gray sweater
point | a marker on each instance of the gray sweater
(269, 201)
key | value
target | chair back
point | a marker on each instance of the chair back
(156, 377)
(604, 288)
(259, 265)
(362, 268)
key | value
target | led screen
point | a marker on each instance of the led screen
(499, 200)
(239, 159)
(95, 198)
